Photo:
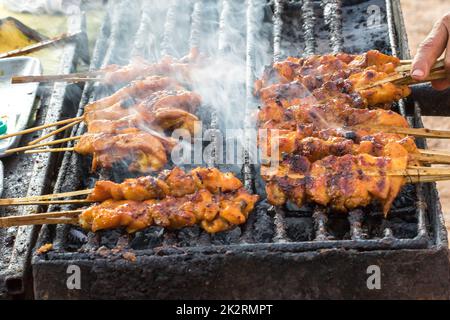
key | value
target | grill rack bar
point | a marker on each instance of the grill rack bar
(332, 13)
(308, 27)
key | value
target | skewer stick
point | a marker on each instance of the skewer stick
(44, 126)
(417, 132)
(65, 217)
(406, 65)
(404, 78)
(47, 202)
(410, 172)
(71, 77)
(431, 158)
(428, 179)
(51, 143)
(431, 151)
(46, 197)
(39, 45)
(49, 150)
(64, 128)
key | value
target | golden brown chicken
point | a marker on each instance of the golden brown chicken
(213, 212)
(146, 152)
(381, 94)
(174, 183)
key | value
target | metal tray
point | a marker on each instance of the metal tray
(17, 99)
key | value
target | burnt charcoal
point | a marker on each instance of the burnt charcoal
(189, 236)
(263, 227)
(77, 237)
(338, 226)
(109, 238)
(149, 238)
(9, 240)
(406, 198)
(403, 230)
(300, 229)
(228, 237)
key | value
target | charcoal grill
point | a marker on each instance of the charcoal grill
(283, 253)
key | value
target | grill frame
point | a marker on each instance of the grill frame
(37, 176)
(301, 260)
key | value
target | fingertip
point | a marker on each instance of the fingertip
(441, 85)
(418, 74)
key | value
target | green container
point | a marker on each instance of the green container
(3, 127)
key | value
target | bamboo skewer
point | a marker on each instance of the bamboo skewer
(404, 78)
(46, 197)
(48, 202)
(416, 132)
(62, 129)
(71, 77)
(63, 217)
(406, 65)
(44, 126)
(39, 45)
(431, 158)
(51, 143)
(50, 150)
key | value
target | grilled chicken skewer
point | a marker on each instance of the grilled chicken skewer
(134, 93)
(215, 200)
(343, 183)
(367, 80)
(175, 182)
(116, 75)
(213, 212)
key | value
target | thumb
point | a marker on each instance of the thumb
(429, 51)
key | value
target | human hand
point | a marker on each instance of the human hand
(430, 50)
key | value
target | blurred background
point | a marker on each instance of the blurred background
(419, 19)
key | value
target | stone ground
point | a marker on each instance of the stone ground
(419, 18)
